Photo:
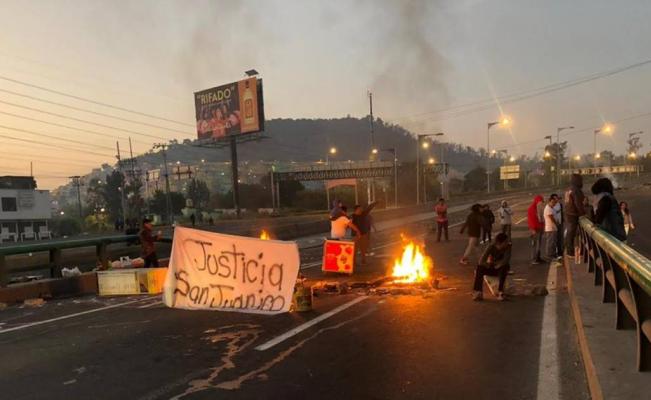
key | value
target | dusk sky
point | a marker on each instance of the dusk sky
(317, 59)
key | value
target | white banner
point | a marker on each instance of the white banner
(210, 270)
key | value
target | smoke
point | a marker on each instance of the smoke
(412, 70)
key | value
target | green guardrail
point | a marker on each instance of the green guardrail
(635, 264)
(55, 248)
(625, 276)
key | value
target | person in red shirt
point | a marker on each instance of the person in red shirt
(147, 239)
(536, 227)
(441, 219)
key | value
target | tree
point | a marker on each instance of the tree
(199, 194)
(112, 194)
(288, 190)
(158, 203)
(475, 180)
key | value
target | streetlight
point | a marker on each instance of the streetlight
(607, 128)
(431, 160)
(424, 145)
(331, 152)
(395, 174)
(504, 121)
(512, 159)
(558, 152)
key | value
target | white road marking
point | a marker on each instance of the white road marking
(548, 364)
(157, 302)
(520, 220)
(47, 321)
(308, 324)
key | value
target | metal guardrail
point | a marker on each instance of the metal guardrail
(55, 248)
(625, 276)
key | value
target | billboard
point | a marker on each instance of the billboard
(230, 109)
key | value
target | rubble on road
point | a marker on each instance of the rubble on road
(36, 302)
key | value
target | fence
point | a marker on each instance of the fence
(625, 276)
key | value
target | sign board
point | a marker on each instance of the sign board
(213, 271)
(338, 256)
(509, 172)
(26, 199)
(229, 109)
(436, 168)
(615, 169)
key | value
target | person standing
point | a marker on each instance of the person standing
(488, 221)
(551, 228)
(339, 226)
(494, 262)
(441, 219)
(362, 220)
(147, 239)
(628, 218)
(536, 227)
(193, 219)
(574, 209)
(607, 210)
(558, 216)
(473, 224)
(505, 215)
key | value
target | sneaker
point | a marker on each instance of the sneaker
(463, 261)
(477, 296)
(501, 296)
(535, 262)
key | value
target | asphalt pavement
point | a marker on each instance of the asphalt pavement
(438, 345)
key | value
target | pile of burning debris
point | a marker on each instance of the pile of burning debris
(412, 274)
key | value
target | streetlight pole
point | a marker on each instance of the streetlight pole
(418, 147)
(168, 202)
(558, 152)
(392, 150)
(332, 151)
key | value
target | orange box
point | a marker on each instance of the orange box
(338, 256)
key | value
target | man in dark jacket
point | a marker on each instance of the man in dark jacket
(574, 209)
(473, 224)
(362, 220)
(494, 262)
(607, 212)
(147, 243)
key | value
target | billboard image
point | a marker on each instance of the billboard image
(229, 109)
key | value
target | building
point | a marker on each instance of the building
(24, 210)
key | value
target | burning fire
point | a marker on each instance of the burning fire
(264, 235)
(414, 265)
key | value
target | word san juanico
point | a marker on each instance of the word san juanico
(237, 274)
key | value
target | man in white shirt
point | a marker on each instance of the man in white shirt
(339, 226)
(551, 228)
(505, 214)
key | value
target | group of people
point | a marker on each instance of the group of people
(553, 225)
(360, 223)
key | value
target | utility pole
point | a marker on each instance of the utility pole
(168, 202)
(123, 201)
(236, 179)
(371, 181)
(76, 181)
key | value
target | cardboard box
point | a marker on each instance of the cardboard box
(131, 281)
(338, 256)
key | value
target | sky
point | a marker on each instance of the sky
(432, 66)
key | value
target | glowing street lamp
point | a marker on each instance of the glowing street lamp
(431, 160)
(420, 143)
(606, 129)
(504, 121)
(512, 159)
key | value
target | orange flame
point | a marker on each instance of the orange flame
(264, 235)
(414, 266)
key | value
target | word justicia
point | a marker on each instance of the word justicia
(243, 281)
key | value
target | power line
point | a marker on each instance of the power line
(70, 127)
(54, 145)
(56, 137)
(82, 120)
(94, 101)
(93, 112)
(482, 105)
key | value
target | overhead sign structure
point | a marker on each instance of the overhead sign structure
(230, 109)
(509, 172)
(436, 168)
(213, 271)
(615, 169)
(378, 170)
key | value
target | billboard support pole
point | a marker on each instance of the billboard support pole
(234, 173)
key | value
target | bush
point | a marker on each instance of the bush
(65, 226)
